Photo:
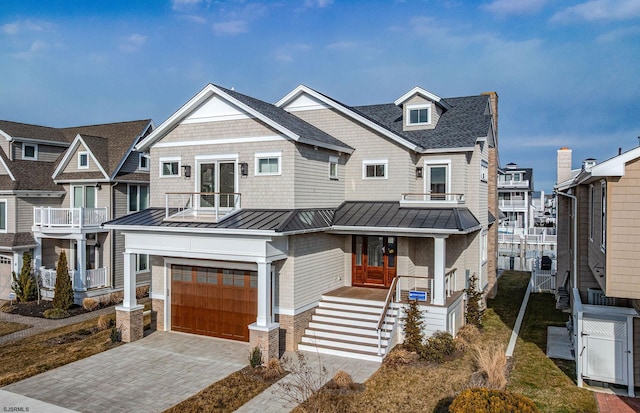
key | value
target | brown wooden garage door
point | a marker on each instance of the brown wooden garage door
(213, 301)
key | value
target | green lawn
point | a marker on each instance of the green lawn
(550, 383)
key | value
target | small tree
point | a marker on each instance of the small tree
(63, 292)
(25, 285)
(475, 312)
(413, 335)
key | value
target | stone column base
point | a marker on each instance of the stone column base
(130, 322)
(267, 339)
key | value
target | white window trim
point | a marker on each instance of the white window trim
(427, 176)
(484, 246)
(171, 159)
(268, 155)
(368, 162)
(138, 270)
(6, 214)
(84, 192)
(142, 155)
(80, 166)
(35, 151)
(129, 211)
(603, 214)
(592, 197)
(333, 160)
(484, 170)
(426, 106)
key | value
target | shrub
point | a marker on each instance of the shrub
(116, 334)
(56, 313)
(399, 356)
(343, 379)
(90, 304)
(63, 291)
(467, 336)
(474, 311)
(116, 297)
(272, 369)
(492, 362)
(255, 357)
(491, 401)
(438, 347)
(412, 327)
(25, 285)
(104, 322)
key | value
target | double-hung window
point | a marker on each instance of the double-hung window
(143, 162)
(333, 167)
(375, 169)
(169, 167)
(83, 160)
(3, 215)
(138, 197)
(29, 151)
(438, 180)
(268, 163)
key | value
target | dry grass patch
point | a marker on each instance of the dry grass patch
(36, 354)
(7, 327)
(492, 363)
(228, 394)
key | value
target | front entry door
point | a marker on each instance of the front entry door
(374, 261)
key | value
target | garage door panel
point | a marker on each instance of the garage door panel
(215, 302)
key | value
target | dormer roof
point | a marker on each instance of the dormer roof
(418, 91)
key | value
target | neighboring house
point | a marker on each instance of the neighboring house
(598, 261)
(521, 244)
(58, 185)
(292, 221)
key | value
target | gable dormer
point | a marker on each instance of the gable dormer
(421, 109)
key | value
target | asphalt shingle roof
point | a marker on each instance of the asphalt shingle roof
(286, 119)
(19, 239)
(24, 130)
(458, 127)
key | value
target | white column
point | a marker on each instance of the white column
(129, 281)
(439, 259)
(17, 262)
(264, 294)
(37, 254)
(81, 265)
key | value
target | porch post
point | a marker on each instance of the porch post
(439, 259)
(264, 294)
(37, 254)
(264, 333)
(129, 315)
(81, 265)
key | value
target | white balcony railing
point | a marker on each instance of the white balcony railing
(200, 206)
(96, 278)
(47, 217)
(431, 198)
(512, 203)
(505, 183)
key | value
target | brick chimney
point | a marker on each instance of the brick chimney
(493, 101)
(564, 165)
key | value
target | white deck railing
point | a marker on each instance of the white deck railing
(48, 217)
(422, 198)
(505, 183)
(96, 278)
(200, 206)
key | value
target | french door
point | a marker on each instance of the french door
(218, 177)
(373, 261)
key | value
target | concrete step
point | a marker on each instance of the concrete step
(348, 329)
(348, 314)
(342, 353)
(347, 300)
(341, 344)
(337, 336)
(373, 309)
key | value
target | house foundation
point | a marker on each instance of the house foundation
(293, 328)
(267, 339)
(157, 314)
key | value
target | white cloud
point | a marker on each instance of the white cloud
(184, 4)
(318, 3)
(343, 45)
(618, 34)
(21, 26)
(133, 43)
(514, 7)
(288, 52)
(231, 27)
(195, 18)
(596, 10)
(35, 47)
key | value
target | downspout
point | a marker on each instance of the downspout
(575, 236)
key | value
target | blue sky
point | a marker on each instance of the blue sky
(567, 71)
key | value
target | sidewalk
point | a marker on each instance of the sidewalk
(40, 325)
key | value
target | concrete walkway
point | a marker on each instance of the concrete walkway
(271, 400)
(148, 375)
(40, 325)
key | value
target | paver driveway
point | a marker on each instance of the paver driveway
(148, 375)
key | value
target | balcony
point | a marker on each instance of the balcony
(512, 204)
(431, 199)
(96, 278)
(47, 217)
(200, 206)
(504, 183)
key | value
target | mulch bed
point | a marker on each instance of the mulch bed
(33, 309)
